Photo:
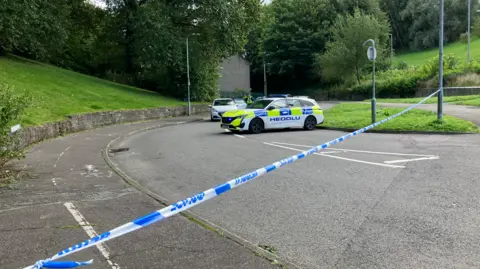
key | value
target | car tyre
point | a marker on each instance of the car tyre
(256, 126)
(310, 123)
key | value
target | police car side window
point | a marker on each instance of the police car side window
(306, 103)
(294, 103)
(278, 104)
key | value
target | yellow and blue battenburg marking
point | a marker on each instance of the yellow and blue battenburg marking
(197, 199)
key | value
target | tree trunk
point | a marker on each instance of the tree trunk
(131, 6)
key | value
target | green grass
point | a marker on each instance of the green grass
(358, 116)
(468, 100)
(457, 48)
(58, 92)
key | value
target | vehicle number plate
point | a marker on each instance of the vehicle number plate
(225, 126)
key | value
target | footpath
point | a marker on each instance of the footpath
(73, 195)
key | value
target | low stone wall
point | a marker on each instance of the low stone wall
(449, 91)
(88, 121)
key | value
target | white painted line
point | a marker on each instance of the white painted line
(226, 130)
(413, 160)
(241, 136)
(58, 159)
(90, 232)
(337, 157)
(363, 151)
(181, 122)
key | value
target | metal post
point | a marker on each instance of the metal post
(188, 81)
(469, 4)
(372, 54)
(264, 80)
(374, 101)
(440, 69)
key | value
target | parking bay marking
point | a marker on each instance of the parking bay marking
(421, 156)
(90, 232)
(228, 131)
(337, 157)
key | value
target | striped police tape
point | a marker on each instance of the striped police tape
(195, 200)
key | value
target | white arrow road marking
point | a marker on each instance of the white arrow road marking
(413, 160)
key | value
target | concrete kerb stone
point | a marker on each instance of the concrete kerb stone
(284, 263)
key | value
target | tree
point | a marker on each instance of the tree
(32, 28)
(299, 30)
(345, 56)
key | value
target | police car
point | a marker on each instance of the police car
(274, 113)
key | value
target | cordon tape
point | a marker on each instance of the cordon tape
(194, 200)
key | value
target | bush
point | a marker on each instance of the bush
(464, 38)
(11, 107)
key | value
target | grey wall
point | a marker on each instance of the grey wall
(235, 73)
(88, 121)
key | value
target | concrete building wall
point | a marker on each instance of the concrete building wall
(235, 73)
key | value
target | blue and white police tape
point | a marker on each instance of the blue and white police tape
(197, 199)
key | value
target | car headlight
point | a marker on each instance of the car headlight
(213, 109)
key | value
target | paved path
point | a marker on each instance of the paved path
(374, 201)
(72, 185)
(471, 113)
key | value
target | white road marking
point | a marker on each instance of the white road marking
(54, 181)
(337, 157)
(363, 151)
(181, 122)
(58, 159)
(240, 136)
(90, 232)
(413, 160)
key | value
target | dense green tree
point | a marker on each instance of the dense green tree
(34, 28)
(299, 30)
(345, 55)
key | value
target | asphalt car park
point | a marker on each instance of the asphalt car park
(373, 201)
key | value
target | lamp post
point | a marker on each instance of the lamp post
(372, 55)
(188, 77)
(440, 67)
(264, 80)
(469, 6)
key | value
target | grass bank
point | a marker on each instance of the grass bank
(58, 92)
(458, 48)
(468, 100)
(358, 116)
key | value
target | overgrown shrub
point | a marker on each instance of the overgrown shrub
(12, 105)
(464, 38)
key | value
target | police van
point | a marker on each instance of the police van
(274, 113)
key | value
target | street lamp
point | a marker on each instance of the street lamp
(469, 5)
(372, 55)
(188, 76)
(440, 66)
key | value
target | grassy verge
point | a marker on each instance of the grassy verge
(469, 100)
(58, 92)
(458, 48)
(358, 116)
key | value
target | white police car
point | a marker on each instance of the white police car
(274, 113)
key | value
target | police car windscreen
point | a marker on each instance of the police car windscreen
(225, 102)
(259, 104)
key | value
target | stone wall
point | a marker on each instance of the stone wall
(449, 91)
(88, 121)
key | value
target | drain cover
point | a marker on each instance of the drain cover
(118, 150)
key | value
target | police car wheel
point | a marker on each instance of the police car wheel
(310, 123)
(256, 126)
